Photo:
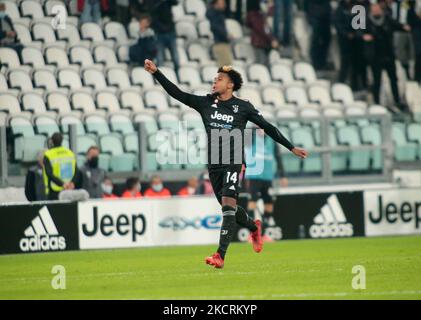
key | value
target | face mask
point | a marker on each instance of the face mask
(157, 187)
(108, 189)
(93, 162)
(191, 190)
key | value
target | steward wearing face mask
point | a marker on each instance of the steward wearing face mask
(92, 175)
(157, 188)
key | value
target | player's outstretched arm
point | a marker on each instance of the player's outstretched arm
(168, 86)
(273, 132)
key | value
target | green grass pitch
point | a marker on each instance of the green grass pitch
(300, 269)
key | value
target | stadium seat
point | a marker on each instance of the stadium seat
(235, 29)
(132, 100)
(303, 137)
(404, 149)
(131, 145)
(67, 120)
(49, 11)
(321, 95)
(46, 125)
(120, 161)
(92, 31)
(69, 78)
(197, 8)
(108, 101)
(168, 121)
(190, 76)
(59, 102)
(44, 32)
(208, 73)
(119, 78)
(275, 96)
(19, 79)
(34, 58)
(371, 134)
(96, 80)
(339, 159)
(155, 98)
(259, 73)
(197, 52)
(9, 103)
(97, 125)
(116, 31)
(141, 77)
(298, 96)
(305, 71)
(33, 102)
(32, 9)
(244, 52)
(83, 57)
(204, 30)
(186, 30)
(414, 135)
(58, 57)
(149, 122)
(71, 35)
(10, 58)
(45, 79)
(343, 93)
(24, 35)
(359, 160)
(26, 143)
(84, 102)
(106, 56)
(121, 123)
(283, 73)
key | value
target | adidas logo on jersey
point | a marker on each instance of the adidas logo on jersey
(331, 221)
(42, 234)
(224, 117)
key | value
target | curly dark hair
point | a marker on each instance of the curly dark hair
(234, 75)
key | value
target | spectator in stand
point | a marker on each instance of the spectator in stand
(205, 186)
(145, 48)
(107, 189)
(157, 188)
(91, 10)
(221, 48)
(133, 188)
(34, 182)
(346, 38)
(414, 20)
(282, 10)
(191, 188)
(261, 38)
(164, 27)
(92, 175)
(318, 16)
(380, 52)
(8, 36)
(234, 9)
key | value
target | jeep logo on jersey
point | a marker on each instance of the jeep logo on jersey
(42, 234)
(132, 225)
(331, 221)
(224, 117)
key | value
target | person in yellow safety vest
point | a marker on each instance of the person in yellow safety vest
(60, 171)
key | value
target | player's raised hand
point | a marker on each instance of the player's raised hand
(300, 152)
(150, 66)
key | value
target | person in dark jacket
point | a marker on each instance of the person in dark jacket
(92, 175)
(8, 36)
(379, 50)
(34, 182)
(261, 38)
(319, 17)
(164, 28)
(221, 48)
(346, 34)
(146, 46)
(414, 20)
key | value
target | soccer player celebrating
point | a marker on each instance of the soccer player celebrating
(224, 114)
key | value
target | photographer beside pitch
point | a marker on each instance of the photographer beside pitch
(222, 109)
